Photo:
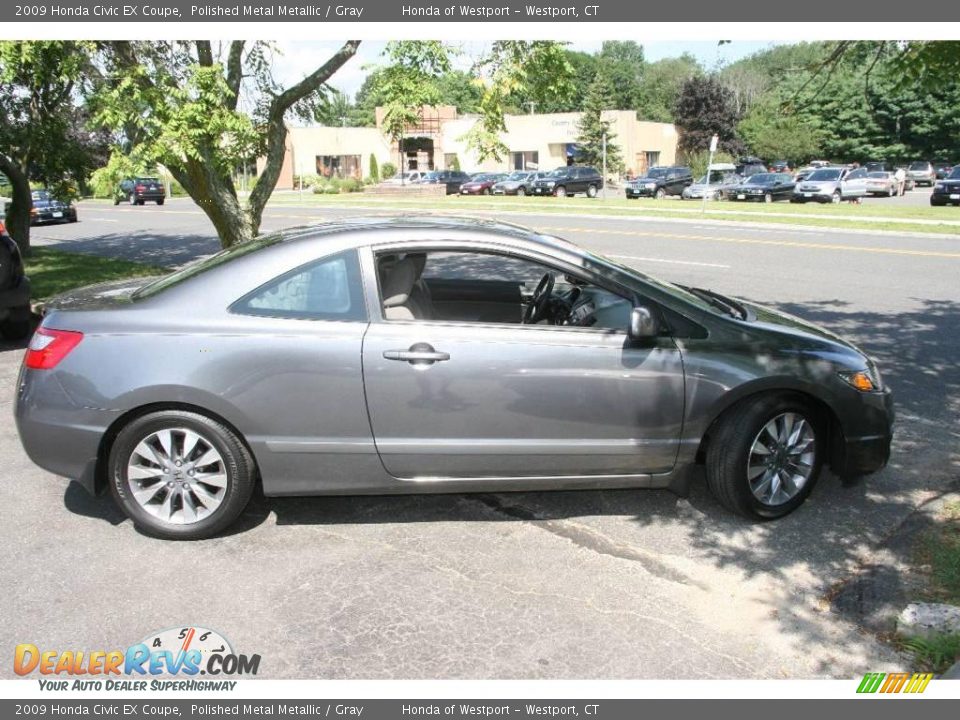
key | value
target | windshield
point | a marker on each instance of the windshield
(518, 176)
(919, 165)
(762, 179)
(148, 180)
(955, 174)
(559, 172)
(431, 176)
(657, 172)
(824, 175)
(40, 195)
(205, 264)
(718, 176)
(877, 175)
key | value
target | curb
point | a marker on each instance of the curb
(953, 673)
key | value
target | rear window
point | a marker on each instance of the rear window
(824, 175)
(919, 166)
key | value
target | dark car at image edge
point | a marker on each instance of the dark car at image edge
(14, 290)
(367, 357)
(947, 191)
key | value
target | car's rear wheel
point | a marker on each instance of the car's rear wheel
(133, 199)
(160, 201)
(180, 475)
(766, 456)
(591, 191)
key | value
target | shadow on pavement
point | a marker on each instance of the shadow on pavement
(162, 249)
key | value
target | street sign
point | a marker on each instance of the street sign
(713, 143)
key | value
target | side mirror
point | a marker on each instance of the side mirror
(643, 324)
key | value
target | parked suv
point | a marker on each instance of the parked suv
(832, 184)
(922, 173)
(750, 165)
(660, 182)
(453, 179)
(139, 190)
(14, 290)
(569, 181)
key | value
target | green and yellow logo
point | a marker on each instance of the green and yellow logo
(895, 682)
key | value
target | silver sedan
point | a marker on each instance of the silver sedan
(417, 355)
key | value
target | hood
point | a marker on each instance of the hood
(802, 330)
(819, 184)
(754, 186)
(97, 297)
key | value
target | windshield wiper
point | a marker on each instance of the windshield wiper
(722, 302)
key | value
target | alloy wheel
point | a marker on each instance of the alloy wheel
(781, 459)
(177, 475)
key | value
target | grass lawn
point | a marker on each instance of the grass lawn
(54, 271)
(938, 553)
(874, 216)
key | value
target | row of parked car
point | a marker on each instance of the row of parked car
(750, 179)
(561, 182)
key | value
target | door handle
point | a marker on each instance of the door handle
(417, 354)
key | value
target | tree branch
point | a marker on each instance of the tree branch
(235, 72)
(204, 53)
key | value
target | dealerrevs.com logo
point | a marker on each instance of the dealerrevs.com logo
(151, 664)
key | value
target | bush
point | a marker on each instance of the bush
(374, 169)
(388, 170)
(697, 161)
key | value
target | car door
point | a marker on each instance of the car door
(489, 400)
(855, 183)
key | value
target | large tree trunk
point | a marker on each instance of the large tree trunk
(18, 211)
(216, 195)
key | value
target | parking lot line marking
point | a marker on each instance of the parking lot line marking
(754, 241)
(672, 262)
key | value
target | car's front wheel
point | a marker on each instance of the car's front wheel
(660, 194)
(521, 191)
(180, 475)
(766, 456)
(560, 191)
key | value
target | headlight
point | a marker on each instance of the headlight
(867, 380)
(650, 186)
(939, 186)
(550, 183)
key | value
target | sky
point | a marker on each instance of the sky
(299, 57)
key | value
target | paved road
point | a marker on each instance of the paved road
(616, 584)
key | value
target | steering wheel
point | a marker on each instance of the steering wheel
(535, 309)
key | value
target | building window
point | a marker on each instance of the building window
(653, 158)
(525, 160)
(340, 166)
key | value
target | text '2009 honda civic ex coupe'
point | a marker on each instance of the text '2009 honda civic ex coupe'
(413, 355)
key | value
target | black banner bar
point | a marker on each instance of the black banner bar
(497, 11)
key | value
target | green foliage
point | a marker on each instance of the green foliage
(622, 64)
(536, 70)
(388, 170)
(934, 654)
(104, 180)
(706, 108)
(455, 165)
(660, 86)
(408, 82)
(592, 128)
(776, 133)
(374, 169)
(334, 186)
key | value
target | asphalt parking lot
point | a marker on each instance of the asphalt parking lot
(624, 584)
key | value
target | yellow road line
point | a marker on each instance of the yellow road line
(756, 241)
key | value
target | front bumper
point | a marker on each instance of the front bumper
(865, 446)
(542, 189)
(640, 192)
(45, 216)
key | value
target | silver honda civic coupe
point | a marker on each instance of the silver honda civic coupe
(415, 355)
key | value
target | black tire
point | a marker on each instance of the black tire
(160, 201)
(521, 191)
(591, 191)
(768, 198)
(729, 448)
(239, 466)
(486, 191)
(116, 201)
(141, 202)
(660, 194)
(561, 191)
(17, 325)
(132, 199)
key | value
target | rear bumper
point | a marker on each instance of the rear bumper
(57, 433)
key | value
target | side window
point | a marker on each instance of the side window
(857, 174)
(328, 289)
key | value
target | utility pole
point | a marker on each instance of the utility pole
(530, 104)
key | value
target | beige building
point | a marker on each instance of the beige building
(543, 142)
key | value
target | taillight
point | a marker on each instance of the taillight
(140, 188)
(48, 347)
(3, 228)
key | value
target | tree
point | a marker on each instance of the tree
(706, 108)
(177, 104)
(772, 132)
(374, 169)
(42, 132)
(622, 63)
(660, 87)
(333, 108)
(592, 128)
